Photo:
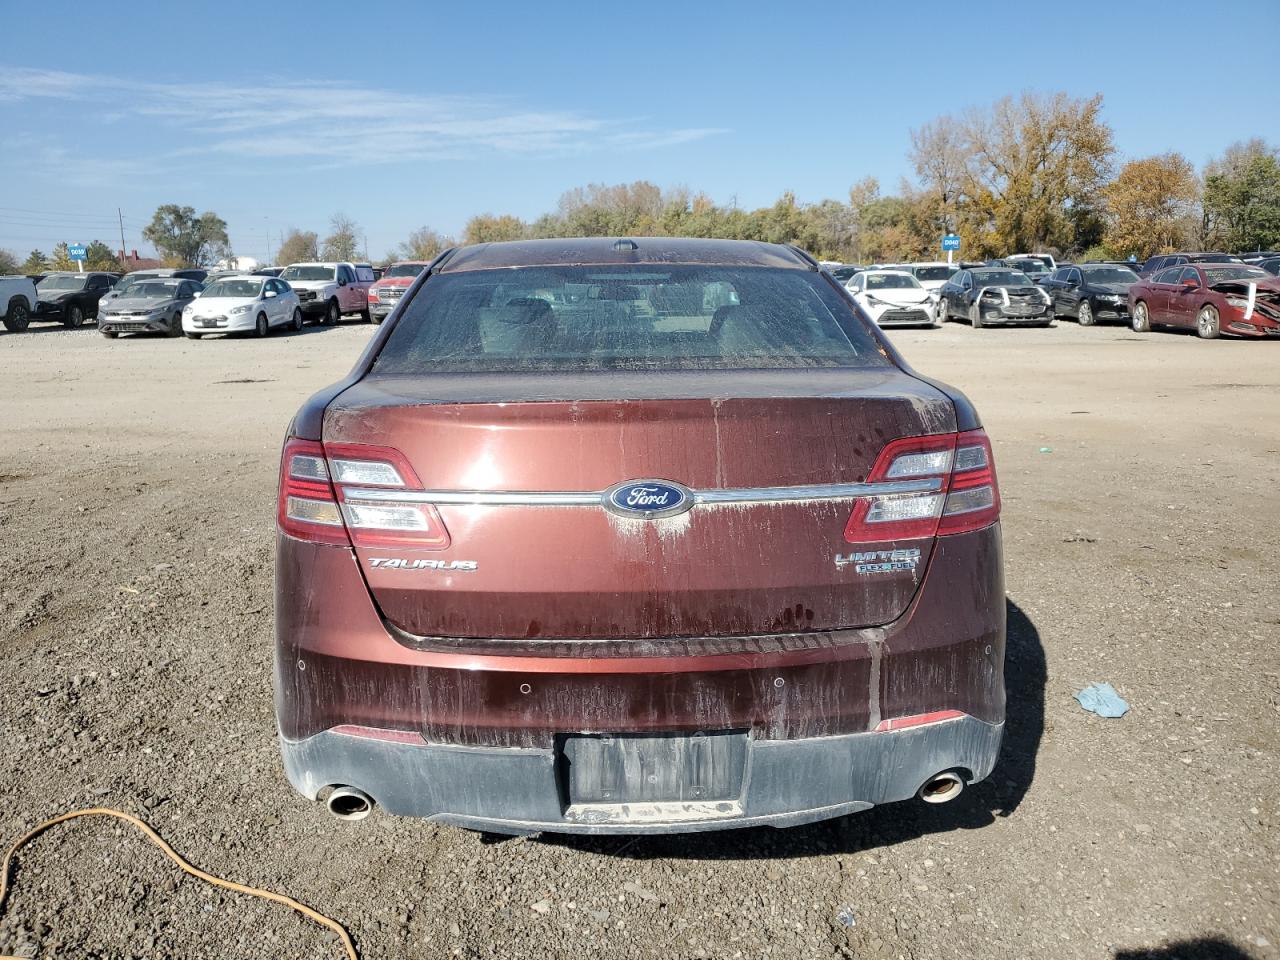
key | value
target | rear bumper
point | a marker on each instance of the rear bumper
(481, 730)
(787, 782)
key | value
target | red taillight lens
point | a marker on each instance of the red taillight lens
(973, 497)
(917, 720)
(308, 508)
(321, 500)
(373, 295)
(965, 496)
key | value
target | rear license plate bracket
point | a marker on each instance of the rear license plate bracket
(652, 768)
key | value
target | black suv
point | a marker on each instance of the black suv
(72, 298)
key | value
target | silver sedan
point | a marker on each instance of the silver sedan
(148, 306)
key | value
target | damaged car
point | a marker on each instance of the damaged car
(1210, 298)
(646, 535)
(989, 296)
(892, 298)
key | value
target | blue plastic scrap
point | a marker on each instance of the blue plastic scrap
(1102, 699)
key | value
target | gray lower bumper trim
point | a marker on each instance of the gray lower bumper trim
(787, 782)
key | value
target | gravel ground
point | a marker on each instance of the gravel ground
(137, 485)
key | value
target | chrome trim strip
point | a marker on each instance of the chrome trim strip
(568, 498)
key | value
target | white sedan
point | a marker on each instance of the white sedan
(893, 298)
(241, 304)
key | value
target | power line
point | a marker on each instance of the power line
(27, 238)
(81, 227)
(53, 214)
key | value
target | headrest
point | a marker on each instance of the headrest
(522, 310)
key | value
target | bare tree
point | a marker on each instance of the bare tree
(343, 242)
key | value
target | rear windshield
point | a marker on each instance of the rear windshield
(627, 318)
(1213, 258)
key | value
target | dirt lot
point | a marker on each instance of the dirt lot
(137, 485)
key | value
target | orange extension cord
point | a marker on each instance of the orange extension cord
(186, 867)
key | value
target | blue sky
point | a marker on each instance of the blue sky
(408, 114)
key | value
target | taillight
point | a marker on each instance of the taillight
(320, 497)
(965, 495)
(308, 508)
(373, 295)
(973, 496)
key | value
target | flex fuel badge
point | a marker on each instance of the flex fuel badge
(879, 561)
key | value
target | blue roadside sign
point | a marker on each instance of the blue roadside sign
(951, 242)
(76, 251)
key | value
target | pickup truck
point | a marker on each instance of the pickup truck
(390, 287)
(328, 290)
(17, 302)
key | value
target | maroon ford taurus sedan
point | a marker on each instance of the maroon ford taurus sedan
(632, 536)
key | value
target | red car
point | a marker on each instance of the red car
(390, 287)
(1214, 298)
(646, 535)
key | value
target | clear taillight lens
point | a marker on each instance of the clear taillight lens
(966, 495)
(307, 506)
(320, 498)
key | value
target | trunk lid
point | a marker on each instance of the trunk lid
(584, 572)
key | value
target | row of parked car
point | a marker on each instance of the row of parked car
(1212, 293)
(196, 302)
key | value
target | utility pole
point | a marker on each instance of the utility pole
(268, 241)
(120, 217)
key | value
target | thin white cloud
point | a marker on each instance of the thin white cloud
(336, 124)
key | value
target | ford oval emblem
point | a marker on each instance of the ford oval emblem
(647, 499)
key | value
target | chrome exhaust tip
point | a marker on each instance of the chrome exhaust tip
(348, 803)
(942, 787)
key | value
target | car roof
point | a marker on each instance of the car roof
(891, 270)
(630, 250)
